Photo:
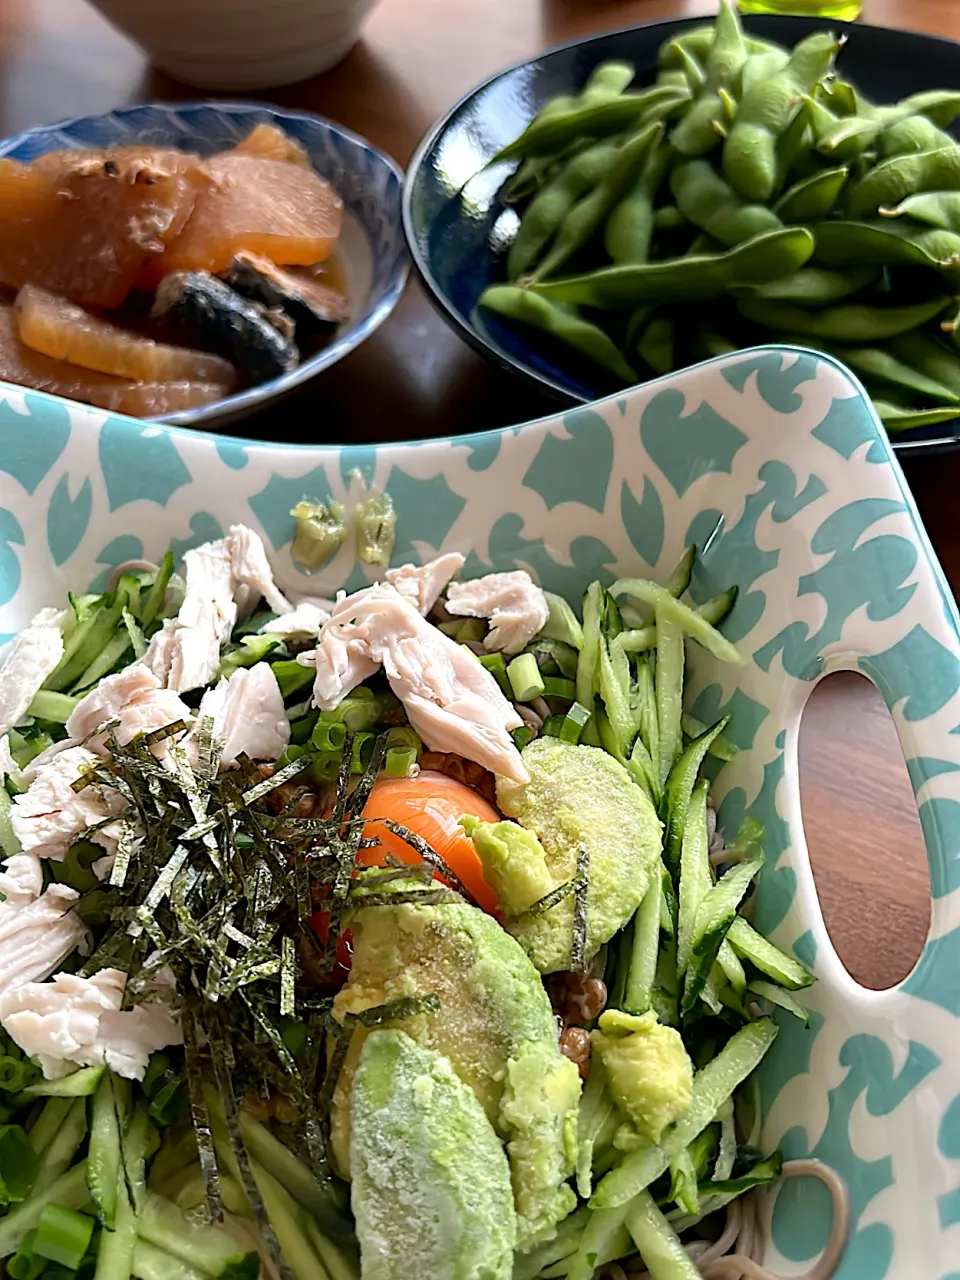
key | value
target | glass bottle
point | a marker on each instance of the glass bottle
(840, 10)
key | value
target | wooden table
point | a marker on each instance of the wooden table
(416, 378)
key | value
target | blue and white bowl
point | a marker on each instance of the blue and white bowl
(371, 245)
(772, 462)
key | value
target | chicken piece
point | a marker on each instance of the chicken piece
(49, 815)
(303, 622)
(224, 581)
(248, 715)
(33, 656)
(77, 1022)
(136, 698)
(38, 930)
(515, 605)
(452, 701)
(423, 584)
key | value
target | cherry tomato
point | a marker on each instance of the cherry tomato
(430, 805)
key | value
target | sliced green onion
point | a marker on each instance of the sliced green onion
(558, 687)
(18, 1164)
(404, 736)
(363, 744)
(573, 723)
(451, 629)
(63, 1235)
(525, 678)
(9, 844)
(495, 664)
(25, 1265)
(552, 726)
(471, 629)
(521, 736)
(291, 676)
(56, 707)
(13, 1074)
(399, 761)
(328, 735)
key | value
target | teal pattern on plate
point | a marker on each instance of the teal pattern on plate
(773, 462)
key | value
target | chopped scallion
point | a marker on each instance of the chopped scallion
(471, 629)
(399, 761)
(495, 664)
(63, 1235)
(525, 678)
(552, 726)
(362, 753)
(329, 735)
(558, 687)
(572, 725)
(521, 736)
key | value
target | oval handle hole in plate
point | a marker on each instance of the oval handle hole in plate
(862, 831)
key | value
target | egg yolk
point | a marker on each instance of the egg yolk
(431, 806)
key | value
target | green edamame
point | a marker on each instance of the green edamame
(693, 73)
(883, 366)
(608, 80)
(559, 322)
(630, 225)
(708, 343)
(851, 322)
(698, 132)
(895, 179)
(812, 199)
(589, 120)
(668, 218)
(942, 246)
(762, 66)
(588, 213)
(708, 202)
(792, 143)
(767, 257)
(817, 286)
(883, 244)
(656, 344)
(930, 357)
(842, 98)
(750, 152)
(697, 41)
(546, 212)
(915, 133)
(897, 417)
(934, 208)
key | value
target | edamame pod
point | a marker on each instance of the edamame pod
(608, 80)
(656, 344)
(935, 208)
(708, 202)
(902, 176)
(588, 120)
(761, 66)
(560, 322)
(546, 212)
(792, 142)
(883, 366)
(697, 131)
(850, 322)
(750, 152)
(817, 286)
(812, 199)
(767, 257)
(630, 226)
(698, 40)
(897, 417)
(930, 357)
(884, 244)
(668, 218)
(909, 136)
(588, 213)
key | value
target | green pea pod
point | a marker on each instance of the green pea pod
(547, 210)
(697, 131)
(767, 108)
(588, 213)
(930, 356)
(559, 322)
(588, 120)
(897, 417)
(813, 198)
(656, 344)
(850, 322)
(935, 208)
(893, 180)
(817, 286)
(629, 227)
(766, 257)
(706, 200)
(906, 137)
(884, 244)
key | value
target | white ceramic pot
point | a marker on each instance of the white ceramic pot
(240, 44)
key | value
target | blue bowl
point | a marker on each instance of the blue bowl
(459, 228)
(371, 246)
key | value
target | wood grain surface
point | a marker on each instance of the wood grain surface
(415, 378)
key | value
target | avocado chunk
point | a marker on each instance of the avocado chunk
(576, 796)
(431, 1187)
(647, 1068)
(495, 1026)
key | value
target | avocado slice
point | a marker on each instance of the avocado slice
(431, 1187)
(576, 795)
(496, 1027)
